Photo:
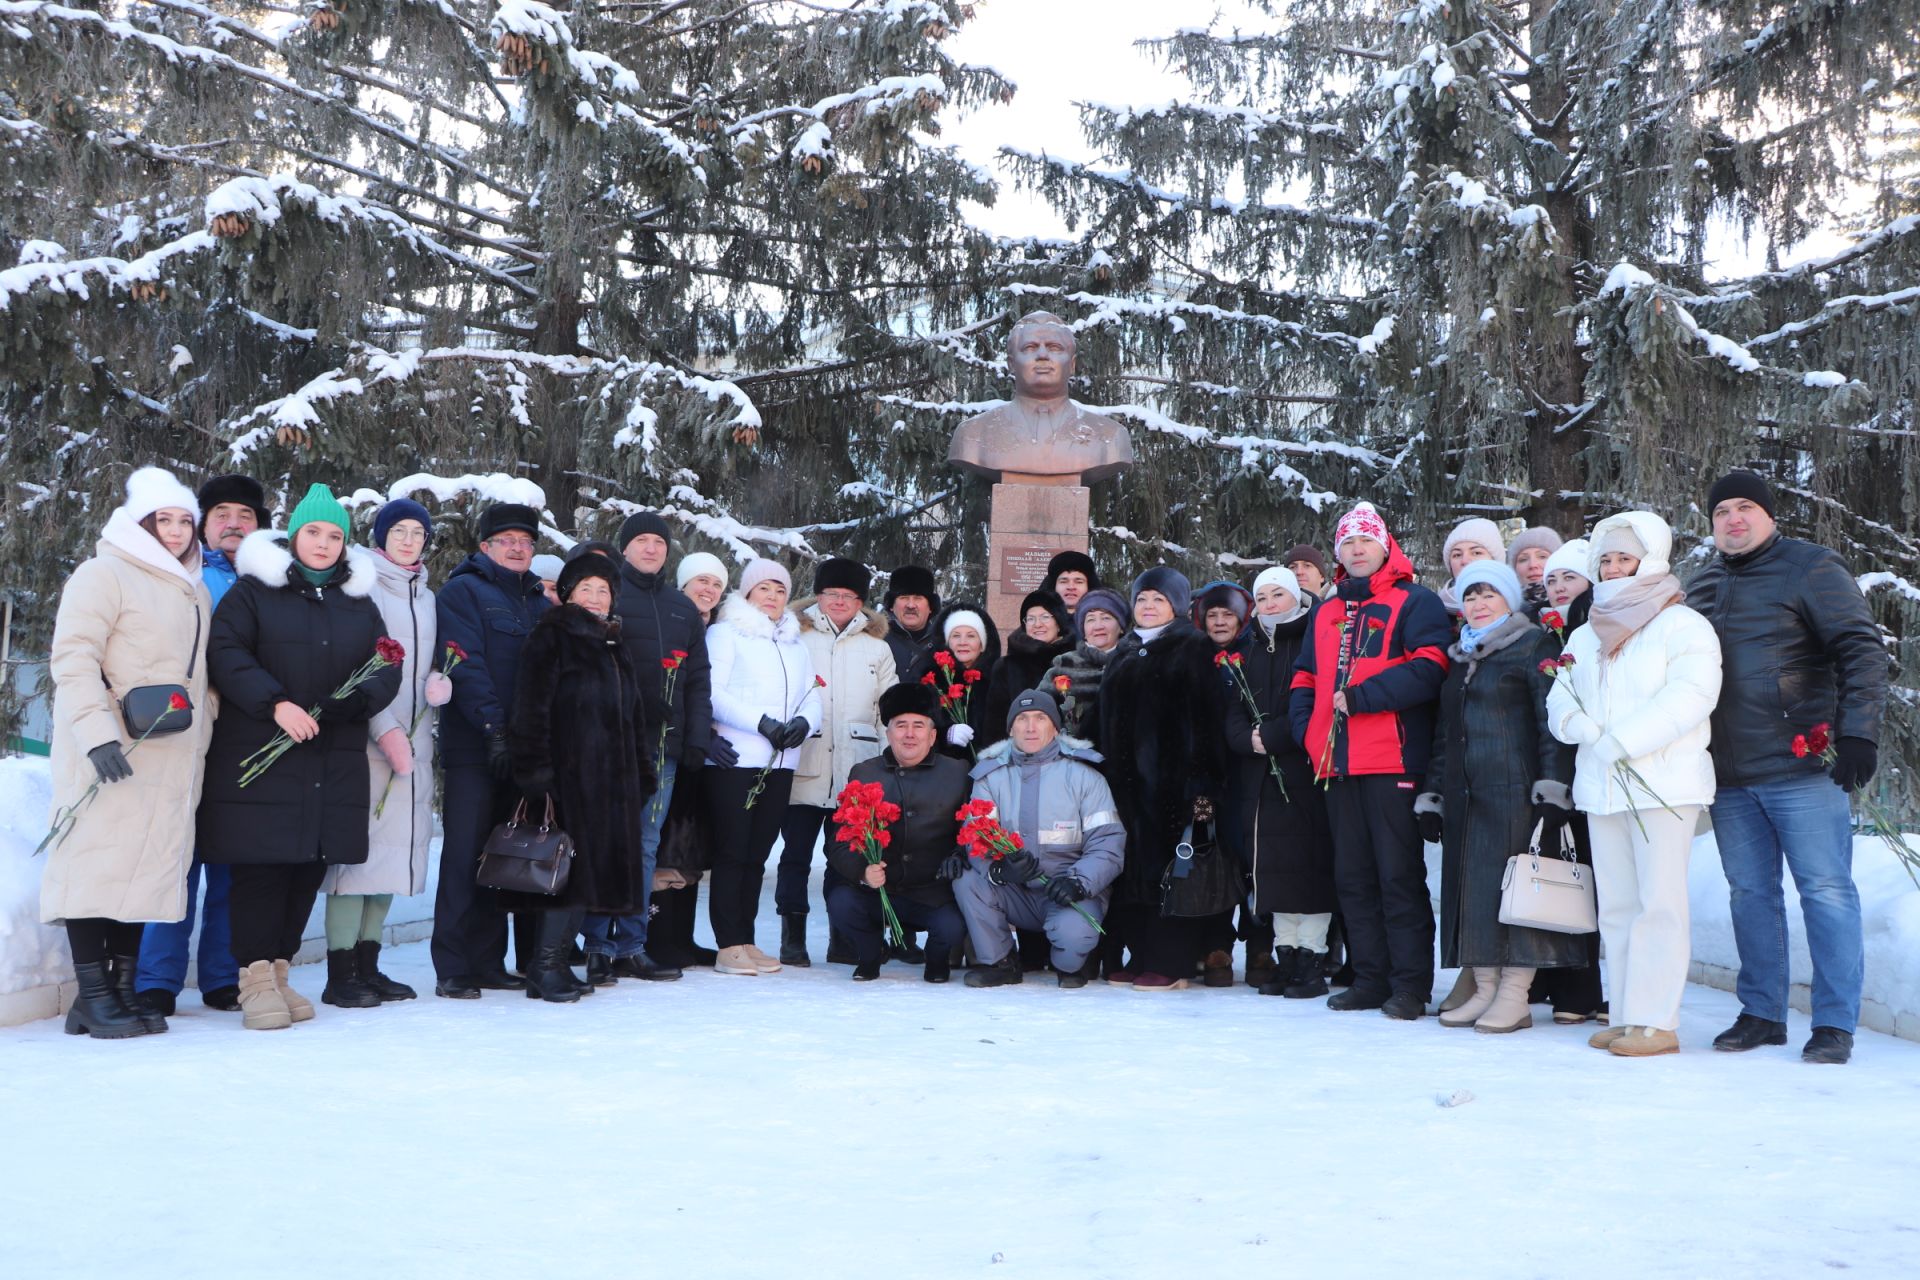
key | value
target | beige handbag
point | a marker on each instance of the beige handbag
(1549, 890)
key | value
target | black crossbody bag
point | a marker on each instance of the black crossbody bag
(148, 710)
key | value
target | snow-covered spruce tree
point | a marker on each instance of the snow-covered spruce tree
(1503, 252)
(634, 251)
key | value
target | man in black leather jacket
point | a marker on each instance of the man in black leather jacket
(1799, 649)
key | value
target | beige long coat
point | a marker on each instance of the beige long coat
(130, 614)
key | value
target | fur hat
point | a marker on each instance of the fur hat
(840, 574)
(910, 699)
(1222, 595)
(244, 490)
(1034, 700)
(393, 513)
(962, 618)
(1070, 562)
(764, 570)
(152, 489)
(1495, 574)
(580, 568)
(1106, 600)
(1533, 536)
(1169, 582)
(642, 522)
(1481, 532)
(696, 563)
(1053, 604)
(1362, 522)
(502, 516)
(912, 580)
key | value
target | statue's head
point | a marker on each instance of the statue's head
(1040, 351)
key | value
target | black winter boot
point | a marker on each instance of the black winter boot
(344, 989)
(551, 980)
(122, 968)
(1286, 963)
(600, 970)
(97, 1010)
(1036, 951)
(908, 952)
(155, 1000)
(224, 999)
(793, 941)
(839, 950)
(1006, 973)
(368, 954)
(939, 968)
(1263, 965)
(1306, 981)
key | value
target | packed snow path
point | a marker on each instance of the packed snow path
(804, 1125)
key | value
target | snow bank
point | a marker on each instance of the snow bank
(31, 954)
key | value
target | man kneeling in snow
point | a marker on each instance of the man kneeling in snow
(1047, 789)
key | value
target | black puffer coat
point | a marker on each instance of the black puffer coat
(276, 637)
(1798, 647)
(1491, 750)
(1162, 734)
(1287, 833)
(929, 794)
(655, 620)
(579, 733)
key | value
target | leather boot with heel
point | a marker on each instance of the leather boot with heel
(551, 979)
(123, 968)
(97, 1010)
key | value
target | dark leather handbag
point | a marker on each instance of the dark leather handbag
(1199, 879)
(522, 858)
(148, 712)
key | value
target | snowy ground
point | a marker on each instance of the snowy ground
(803, 1125)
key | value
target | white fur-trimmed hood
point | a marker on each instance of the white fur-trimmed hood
(267, 557)
(749, 621)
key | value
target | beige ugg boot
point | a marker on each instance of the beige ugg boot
(1604, 1038)
(762, 961)
(1463, 989)
(1645, 1042)
(298, 1006)
(1486, 984)
(1509, 1010)
(261, 1006)
(737, 961)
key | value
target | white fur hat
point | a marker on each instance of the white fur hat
(696, 563)
(964, 618)
(152, 489)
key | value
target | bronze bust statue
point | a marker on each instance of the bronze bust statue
(1041, 436)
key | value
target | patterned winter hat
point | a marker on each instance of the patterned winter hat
(1361, 522)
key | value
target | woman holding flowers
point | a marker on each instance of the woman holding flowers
(302, 662)
(400, 769)
(1635, 700)
(765, 704)
(579, 737)
(1283, 814)
(960, 668)
(134, 616)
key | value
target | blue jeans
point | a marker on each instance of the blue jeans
(624, 936)
(163, 947)
(1809, 822)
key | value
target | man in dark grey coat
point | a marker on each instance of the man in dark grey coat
(1048, 789)
(1799, 649)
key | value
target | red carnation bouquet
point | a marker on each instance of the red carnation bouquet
(1233, 665)
(954, 684)
(453, 657)
(1818, 741)
(861, 824)
(982, 836)
(64, 820)
(387, 652)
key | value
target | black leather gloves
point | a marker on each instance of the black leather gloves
(722, 752)
(794, 732)
(772, 730)
(1017, 867)
(953, 868)
(499, 758)
(1066, 890)
(1854, 762)
(110, 762)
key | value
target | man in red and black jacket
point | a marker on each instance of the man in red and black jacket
(1363, 702)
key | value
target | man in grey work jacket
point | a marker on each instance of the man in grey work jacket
(1048, 789)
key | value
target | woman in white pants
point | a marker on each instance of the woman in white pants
(1644, 679)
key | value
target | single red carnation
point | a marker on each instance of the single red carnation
(973, 676)
(1800, 745)
(390, 651)
(176, 702)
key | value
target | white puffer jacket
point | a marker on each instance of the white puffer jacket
(858, 667)
(1654, 697)
(760, 668)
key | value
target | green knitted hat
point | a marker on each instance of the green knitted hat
(320, 505)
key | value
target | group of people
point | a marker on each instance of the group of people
(1136, 781)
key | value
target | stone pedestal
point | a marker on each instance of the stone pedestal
(1031, 523)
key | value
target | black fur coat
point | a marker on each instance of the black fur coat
(578, 732)
(1161, 732)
